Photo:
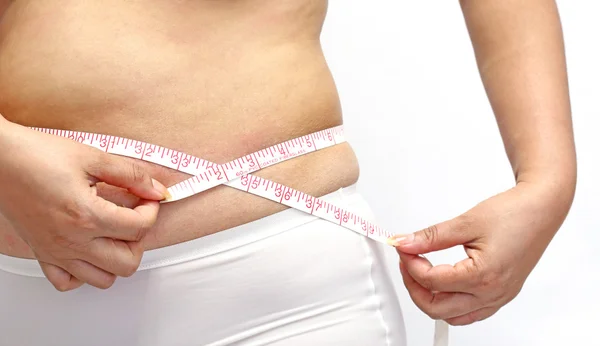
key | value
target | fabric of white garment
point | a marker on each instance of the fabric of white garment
(290, 279)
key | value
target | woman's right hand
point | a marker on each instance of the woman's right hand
(49, 196)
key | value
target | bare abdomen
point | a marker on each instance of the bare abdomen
(216, 85)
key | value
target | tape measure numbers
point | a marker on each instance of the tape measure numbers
(237, 174)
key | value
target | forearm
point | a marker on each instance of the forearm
(519, 49)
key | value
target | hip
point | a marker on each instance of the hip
(286, 279)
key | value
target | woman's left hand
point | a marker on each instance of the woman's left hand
(504, 238)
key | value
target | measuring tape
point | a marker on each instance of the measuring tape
(237, 174)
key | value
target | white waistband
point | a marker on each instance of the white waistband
(208, 245)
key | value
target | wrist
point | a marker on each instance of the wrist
(559, 180)
(555, 177)
(550, 195)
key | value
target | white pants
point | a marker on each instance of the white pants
(288, 279)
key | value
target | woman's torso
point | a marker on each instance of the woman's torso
(213, 78)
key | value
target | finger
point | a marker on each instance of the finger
(117, 195)
(129, 175)
(462, 277)
(114, 256)
(125, 223)
(439, 305)
(472, 317)
(60, 278)
(90, 274)
(438, 237)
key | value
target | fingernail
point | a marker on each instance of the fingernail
(401, 239)
(161, 189)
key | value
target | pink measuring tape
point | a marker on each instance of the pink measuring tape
(237, 174)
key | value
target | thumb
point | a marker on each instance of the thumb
(434, 238)
(117, 171)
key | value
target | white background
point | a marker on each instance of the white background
(429, 150)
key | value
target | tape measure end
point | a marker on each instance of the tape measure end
(391, 241)
(168, 199)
